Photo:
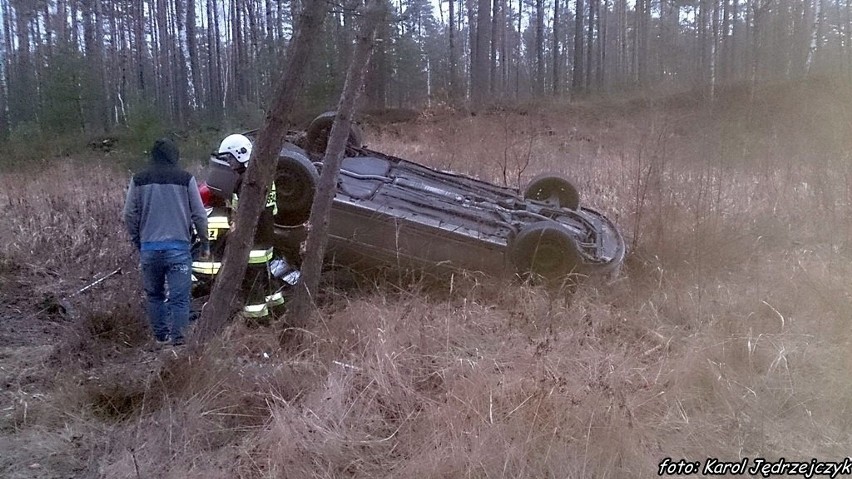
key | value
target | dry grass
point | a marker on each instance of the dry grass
(726, 334)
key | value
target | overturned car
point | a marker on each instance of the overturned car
(396, 212)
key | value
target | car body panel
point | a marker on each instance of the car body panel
(400, 213)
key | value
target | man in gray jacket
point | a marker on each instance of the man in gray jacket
(163, 204)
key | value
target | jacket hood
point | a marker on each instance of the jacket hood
(165, 152)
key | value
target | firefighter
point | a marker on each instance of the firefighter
(257, 286)
(204, 269)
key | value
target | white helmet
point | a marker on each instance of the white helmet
(237, 145)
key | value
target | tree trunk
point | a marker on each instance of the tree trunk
(642, 40)
(847, 31)
(280, 16)
(453, 87)
(317, 240)
(192, 47)
(622, 42)
(376, 87)
(538, 88)
(495, 25)
(48, 32)
(557, 87)
(60, 23)
(479, 86)
(734, 69)
(141, 46)
(180, 58)
(214, 61)
(504, 53)
(252, 72)
(725, 43)
(270, 138)
(237, 76)
(75, 26)
(102, 75)
(93, 36)
(471, 45)
(167, 99)
(577, 74)
(590, 45)
(602, 39)
(4, 78)
(819, 44)
(269, 50)
(519, 56)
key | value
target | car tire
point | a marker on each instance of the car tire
(545, 249)
(296, 181)
(320, 129)
(555, 189)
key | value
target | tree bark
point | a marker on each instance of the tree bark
(304, 302)
(223, 303)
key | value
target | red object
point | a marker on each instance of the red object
(206, 194)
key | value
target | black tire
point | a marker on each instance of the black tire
(554, 189)
(320, 129)
(296, 181)
(545, 249)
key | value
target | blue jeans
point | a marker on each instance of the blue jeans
(168, 310)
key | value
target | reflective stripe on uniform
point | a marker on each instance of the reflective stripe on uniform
(255, 310)
(215, 225)
(206, 267)
(271, 199)
(218, 222)
(259, 256)
(276, 299)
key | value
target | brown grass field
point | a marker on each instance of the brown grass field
(727, 334)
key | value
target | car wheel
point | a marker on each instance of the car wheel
(554, 189)
(296, 181)
(545, 249)
(320, 129)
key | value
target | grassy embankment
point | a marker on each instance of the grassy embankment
(726, 335)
